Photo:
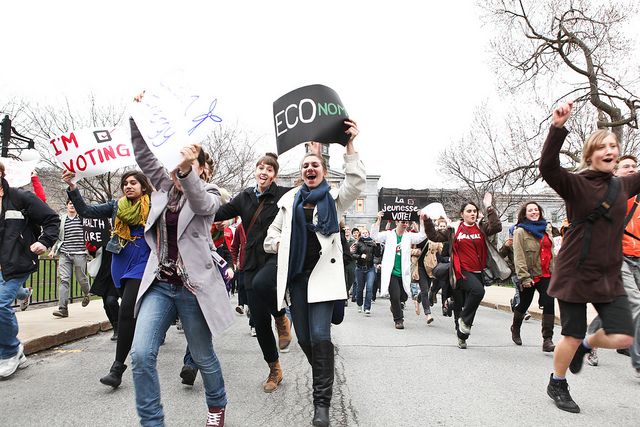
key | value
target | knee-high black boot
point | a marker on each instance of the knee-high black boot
(306, 349)
(322, 367)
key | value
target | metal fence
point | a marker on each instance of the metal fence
(44, 283)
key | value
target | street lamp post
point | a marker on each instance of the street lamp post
(8, 134)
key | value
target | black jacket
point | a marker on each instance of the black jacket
(245, 204)
(369, 248)
(25, 219)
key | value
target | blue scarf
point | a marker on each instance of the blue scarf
(536, 228)
(327, 222)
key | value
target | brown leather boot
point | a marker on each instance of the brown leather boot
(515, 327)
(283, 325)
(274, 378)
(548, 321)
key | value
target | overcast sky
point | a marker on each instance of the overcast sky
(410, 73)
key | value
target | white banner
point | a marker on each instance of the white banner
(435, 211)
(93, 151)
(18, 172)
(171, 116)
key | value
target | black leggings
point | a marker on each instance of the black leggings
(397, 295)
(469, 294)
(526, 297)
(126, 321)
(261, 289)
(111, 308)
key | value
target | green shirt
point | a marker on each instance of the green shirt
(397, 264)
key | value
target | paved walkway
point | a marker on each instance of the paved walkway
(40, 330)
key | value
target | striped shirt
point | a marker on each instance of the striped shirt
(73, 242)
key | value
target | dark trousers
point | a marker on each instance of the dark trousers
(397, 294)
(472, 291)
(261, 290)
(424, 282)
(111, 308)
(242, 294)
(126, 321)
(526, 297)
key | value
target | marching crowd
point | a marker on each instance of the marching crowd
(179, 245)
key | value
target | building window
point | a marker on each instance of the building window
(510, 217)
(325, 149)
(360, 205)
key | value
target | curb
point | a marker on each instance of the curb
(48, 341)
(507, 309)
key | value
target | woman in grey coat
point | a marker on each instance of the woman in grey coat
(179, 279)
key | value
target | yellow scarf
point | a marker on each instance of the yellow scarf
(130, 214)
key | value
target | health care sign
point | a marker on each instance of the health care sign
(97, 231)
(93, 151)
(309, 113)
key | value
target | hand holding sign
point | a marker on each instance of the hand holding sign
(67, 177)
(189, 154)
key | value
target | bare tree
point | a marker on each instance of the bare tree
(544, 41)
(231, 148)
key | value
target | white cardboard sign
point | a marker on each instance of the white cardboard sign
(18, 172)
(171, 116)
(93, 151)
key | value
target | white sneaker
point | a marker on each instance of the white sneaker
(367, 312)
(9, 366)
(359, 309)
(253, 332)
(464, 328)
(24, 304)
(527, 316)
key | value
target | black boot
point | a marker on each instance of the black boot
(322, 367)
(547, 333)
(306, 349)
(114, 337)
(558, 390)
(114, 377)
(515, 327)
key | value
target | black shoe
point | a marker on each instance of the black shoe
(188, 375)
(399, 324)
(114, 377)
(576, 363)
(320, 416)
(558, 390)
(624, 352)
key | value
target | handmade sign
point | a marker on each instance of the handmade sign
(18, 172)
(96, 231)
(435, 211)
(171, 116)
(310, 113)
(402, 205)
(93, 151)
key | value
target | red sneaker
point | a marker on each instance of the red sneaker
(215, 417)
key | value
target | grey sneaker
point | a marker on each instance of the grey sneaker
(86, 300)
(592, 357)
(462, 344)
(24, 304)
(61, 312)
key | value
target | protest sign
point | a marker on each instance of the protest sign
(18, 172)
(402, 205)
(93, 151)
(97, 231)
(171, 116)
(309, 113)
(435, 211)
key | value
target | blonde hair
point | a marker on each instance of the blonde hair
(591, 145)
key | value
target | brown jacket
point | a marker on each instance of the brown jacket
(598, 279)
(491, 226)
(526, 255)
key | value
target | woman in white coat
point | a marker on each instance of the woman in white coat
(396, 263)
(306, 236)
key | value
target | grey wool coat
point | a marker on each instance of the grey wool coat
(194, 236)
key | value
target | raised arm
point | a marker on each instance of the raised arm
(147, 161)
(375, 230)
(37, 187)
(355, 174)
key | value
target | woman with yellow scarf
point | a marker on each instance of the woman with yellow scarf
(130, 253)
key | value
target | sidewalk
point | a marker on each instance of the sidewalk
(40, 330)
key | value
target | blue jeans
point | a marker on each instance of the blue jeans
(159, 307)
(312, 322)
(9, 342)
(365, 277)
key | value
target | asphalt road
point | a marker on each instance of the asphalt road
(384, 377)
